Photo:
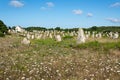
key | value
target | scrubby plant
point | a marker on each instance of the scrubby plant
(1, 34)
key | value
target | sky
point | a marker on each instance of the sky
(60, 13)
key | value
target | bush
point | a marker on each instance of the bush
(3, 27)
(1, 34)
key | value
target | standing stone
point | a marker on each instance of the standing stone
(50, 36)
(81, 37)
(116, 35)
(32, 37)
(39, 36)
(28, 36)
(111, 34)
(58, 38)
(71, 34)
(96, 35)
(93, 34)
(100, 35)
(25, 41)
(87, 36)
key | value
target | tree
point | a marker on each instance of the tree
(94, 28)
(57, 28)
(3, 27)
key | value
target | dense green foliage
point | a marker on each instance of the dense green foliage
(105, 29)
(94, 28)
(57, 28)
(3, 27)
(35, 28)
(1, 34)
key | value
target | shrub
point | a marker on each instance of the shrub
(1, 34)
(3, 27)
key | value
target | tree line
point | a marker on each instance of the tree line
(4, 29)
(93, 28)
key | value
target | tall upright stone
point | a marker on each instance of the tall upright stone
(93, 34)
(50, 35)
(81, 37)
(111, 34)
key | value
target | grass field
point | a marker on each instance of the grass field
(97, 59)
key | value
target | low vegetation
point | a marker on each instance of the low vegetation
(95, 45)
(51, 60)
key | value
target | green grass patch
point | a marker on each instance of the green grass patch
(67, 37)
(53, 43)
(95, 45)
(44, 42)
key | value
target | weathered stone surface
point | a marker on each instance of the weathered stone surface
(58, 38)
(25, 41)
(116, 35)
(81, 37)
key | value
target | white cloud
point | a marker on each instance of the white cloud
(114, 20)
(77, 12)
(16, 3)
(89, 14)
(50, 4)
(117, 4)
(43, 8)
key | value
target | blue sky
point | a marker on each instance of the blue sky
(61, 13)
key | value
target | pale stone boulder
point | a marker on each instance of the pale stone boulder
(25, 41)
(50, 36)
(97, 35)
(71, 34)
(111, 34)
(116, 35)
(87, 36)
(39, 36)
(28, 36)
(81, 37)
(58, 38)
(93, 34)
(32, 37)
(100, 35)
